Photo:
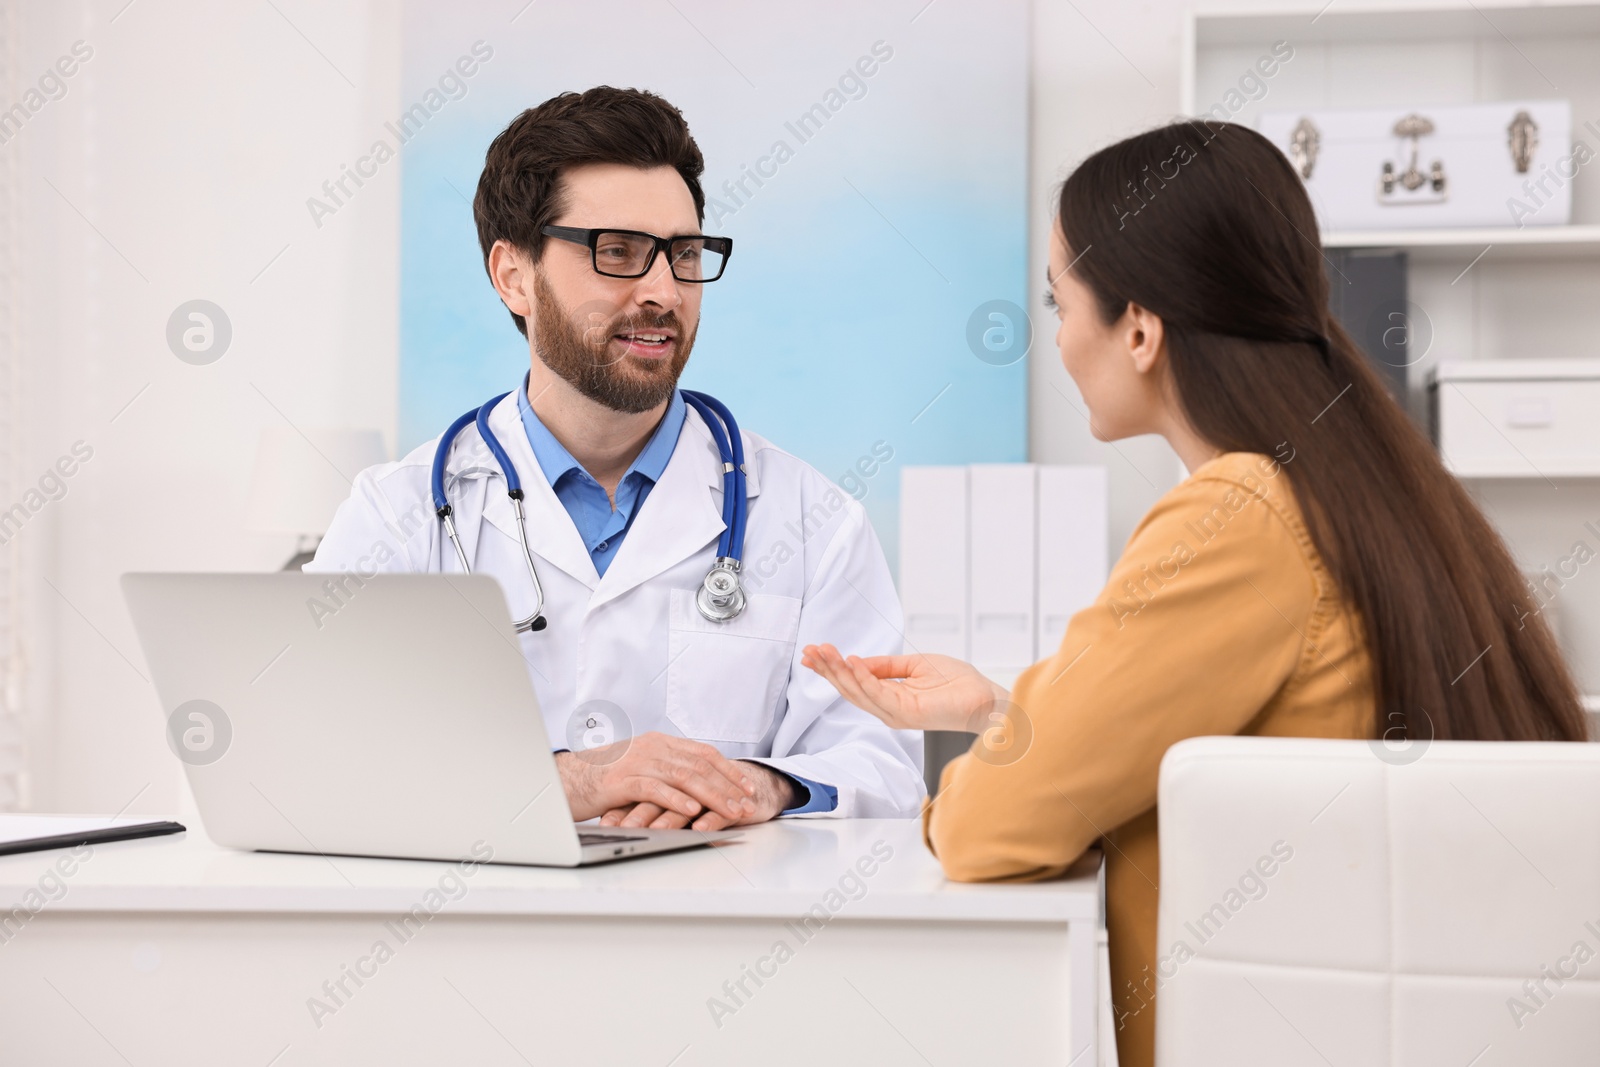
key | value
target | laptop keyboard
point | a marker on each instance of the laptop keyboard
(608, 839)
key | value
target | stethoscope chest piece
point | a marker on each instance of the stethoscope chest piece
(721, 595)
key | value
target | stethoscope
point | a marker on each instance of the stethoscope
(721, 595)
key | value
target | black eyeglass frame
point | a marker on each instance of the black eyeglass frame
(590, 238)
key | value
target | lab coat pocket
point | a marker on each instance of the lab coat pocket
(726, 680)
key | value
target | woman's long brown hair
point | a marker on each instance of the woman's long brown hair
(1207, 225)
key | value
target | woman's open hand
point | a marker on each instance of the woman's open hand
(910, 692)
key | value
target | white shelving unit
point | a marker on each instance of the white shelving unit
(1493, 293)
(1580, 241)
(1214, 28)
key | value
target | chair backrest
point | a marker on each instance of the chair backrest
(1348, 902)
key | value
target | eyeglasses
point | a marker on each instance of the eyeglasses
(631, 253)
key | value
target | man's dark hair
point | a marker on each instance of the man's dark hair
(520, 191)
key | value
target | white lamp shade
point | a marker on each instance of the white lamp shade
(302, 476)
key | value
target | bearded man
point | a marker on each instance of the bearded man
(663, 716)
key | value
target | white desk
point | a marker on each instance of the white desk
(172, 951)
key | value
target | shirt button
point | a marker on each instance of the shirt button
(601, 547)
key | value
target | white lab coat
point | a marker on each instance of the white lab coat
(631, 646)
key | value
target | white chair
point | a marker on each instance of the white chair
(1347, 903)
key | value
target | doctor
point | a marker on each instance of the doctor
(668, 675)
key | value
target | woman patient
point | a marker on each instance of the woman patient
(1318, 574)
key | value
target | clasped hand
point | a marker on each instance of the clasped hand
(661, 782)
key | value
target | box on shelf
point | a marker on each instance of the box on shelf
(1501, 164)
(1517, 418)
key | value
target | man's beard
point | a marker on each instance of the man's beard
(577, 348)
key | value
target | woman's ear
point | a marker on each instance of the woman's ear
(1145, 335)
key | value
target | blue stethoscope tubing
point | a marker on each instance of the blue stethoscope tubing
(721, 595)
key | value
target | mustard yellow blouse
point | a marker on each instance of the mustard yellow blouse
(1219, 618)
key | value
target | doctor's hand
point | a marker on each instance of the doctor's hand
(775, 794)
(911, 692)
(674, 774)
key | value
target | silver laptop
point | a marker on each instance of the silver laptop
(389, 716)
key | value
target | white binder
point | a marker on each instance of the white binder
(1072, 551)
(1003, 566)
(933, 559)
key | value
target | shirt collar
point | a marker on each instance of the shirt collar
(555, 461)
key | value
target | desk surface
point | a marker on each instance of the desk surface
(777, 870)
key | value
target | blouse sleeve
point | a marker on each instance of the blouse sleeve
(1203, 620)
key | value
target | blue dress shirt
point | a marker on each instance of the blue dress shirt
(603, 527)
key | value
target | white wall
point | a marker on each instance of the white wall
(181, 157)
(1101, 71)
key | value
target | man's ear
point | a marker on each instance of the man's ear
(512, 275)
(1145, 335)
